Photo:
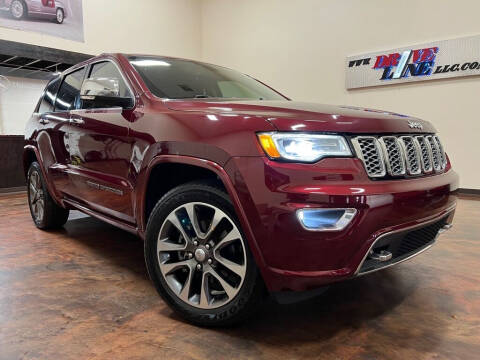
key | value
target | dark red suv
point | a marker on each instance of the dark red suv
(235, 189)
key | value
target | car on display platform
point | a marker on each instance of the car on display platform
(236, 190)
(41, 9)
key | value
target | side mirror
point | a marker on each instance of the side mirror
(103, 93)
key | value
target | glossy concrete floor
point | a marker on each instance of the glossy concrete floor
(83, 293)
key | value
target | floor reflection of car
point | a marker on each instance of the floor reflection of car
(46, 9)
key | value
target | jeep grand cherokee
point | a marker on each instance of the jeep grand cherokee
(234, 188)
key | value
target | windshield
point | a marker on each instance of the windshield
(183, 79)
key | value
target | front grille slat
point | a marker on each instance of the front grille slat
(443, 157)
(371, 154)
(398, 156)
(394, 160)
(412, 155)
(426, 154)
(436, 155)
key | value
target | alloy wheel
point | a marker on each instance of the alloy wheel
(36, 196)
(17, 9)
(201, 255)
(59, 16)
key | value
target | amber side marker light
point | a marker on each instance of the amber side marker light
(268, 145)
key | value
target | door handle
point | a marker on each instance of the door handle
(77, 121)
(43, 121)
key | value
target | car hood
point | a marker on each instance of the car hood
(304, 116)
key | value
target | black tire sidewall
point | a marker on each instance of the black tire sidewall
(226, 314)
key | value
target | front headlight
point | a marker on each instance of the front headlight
(303, 147)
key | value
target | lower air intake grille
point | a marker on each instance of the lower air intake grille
(400, 155)
(403, 245)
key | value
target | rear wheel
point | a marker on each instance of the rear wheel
(46, 214)
(18, 9)
(198, 258)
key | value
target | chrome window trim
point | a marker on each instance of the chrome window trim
(447, 212)
(113, 110)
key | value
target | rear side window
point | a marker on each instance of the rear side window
(48, 99)
(69, 92)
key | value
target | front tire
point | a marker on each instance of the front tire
(60, 16)
(46, 214)
(18, 9)
(198, 258)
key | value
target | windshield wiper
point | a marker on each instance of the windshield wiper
(201, 96)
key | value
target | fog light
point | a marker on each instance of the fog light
(325, 219)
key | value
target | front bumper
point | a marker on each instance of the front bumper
(293, 258)
(404, 244)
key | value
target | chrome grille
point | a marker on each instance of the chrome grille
(400, 155)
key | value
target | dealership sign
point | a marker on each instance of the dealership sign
(438, 60)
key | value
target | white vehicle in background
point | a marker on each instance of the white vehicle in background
(46, 9)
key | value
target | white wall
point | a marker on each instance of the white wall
(17, 103)
(169, 27)
(164, 27)
(299, 47)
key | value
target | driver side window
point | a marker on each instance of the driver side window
(106, 70)
(68, 95)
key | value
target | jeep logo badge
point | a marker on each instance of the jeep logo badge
(415, 125)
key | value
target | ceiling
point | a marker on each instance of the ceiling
(36, 62)
(29, 67)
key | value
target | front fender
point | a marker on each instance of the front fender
(227, 182)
